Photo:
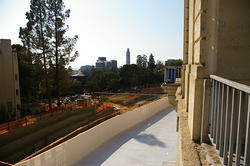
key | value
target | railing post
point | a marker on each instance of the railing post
(227, 125)
(215, 110)
(205, 110)
(211, 118)
(222, 120)
(240, 127)
(247, 140)
(233, 128)
(218, 131)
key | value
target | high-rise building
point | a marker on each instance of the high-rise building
(108, 65)
(102, 64)
(128, 57)
(102, 58)
(113, 64)
(9, 85)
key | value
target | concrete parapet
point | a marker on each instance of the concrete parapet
(76, 148)
(170, 89)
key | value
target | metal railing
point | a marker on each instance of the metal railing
(229, 120)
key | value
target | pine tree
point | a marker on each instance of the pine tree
(139, 60)
(62, 46)
(35, 36)
(144, 61)
(151, 62)
(44, 35)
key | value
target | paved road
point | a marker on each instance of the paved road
(151, 143)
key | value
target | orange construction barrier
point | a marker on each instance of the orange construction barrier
(103, 107)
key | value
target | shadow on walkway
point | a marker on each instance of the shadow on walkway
(102, 153)
(149, 139)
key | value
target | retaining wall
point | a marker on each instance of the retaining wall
(76, 148)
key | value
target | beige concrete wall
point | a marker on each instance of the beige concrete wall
(190, 32)
(234, 39)
(76, 148)
(9, 85)
(195, 72)
(218, 43)
(17, 101)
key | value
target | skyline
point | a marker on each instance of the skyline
(108, 27)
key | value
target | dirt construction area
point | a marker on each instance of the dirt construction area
(23, 142)
(129, 101)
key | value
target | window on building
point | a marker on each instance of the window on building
(17, 92)
(16, 77)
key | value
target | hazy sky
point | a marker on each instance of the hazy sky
(109, 27)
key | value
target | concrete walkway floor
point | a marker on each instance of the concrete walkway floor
(151, 143)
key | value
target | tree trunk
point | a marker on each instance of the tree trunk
(45, 66)
(57, 64)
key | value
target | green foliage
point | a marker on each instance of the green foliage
(75, 87)
(36, 38)
(151, 62)
(44, 36)
(30, 72)
(139, 60)
(159, 66)
(61, 45)
(142, 61)
(128, 76)
(101, 81)
(178, 62)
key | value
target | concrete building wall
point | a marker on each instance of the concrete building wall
(9, 84)
(216, 41)
(234, 39)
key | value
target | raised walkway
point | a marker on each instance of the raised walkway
(151, 143)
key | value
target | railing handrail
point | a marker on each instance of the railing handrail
(236, 85)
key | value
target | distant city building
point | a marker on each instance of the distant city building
(108, 65)
(113, 65)
(128, 57)
(102, 64)
(102, 59)
(9, 85)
